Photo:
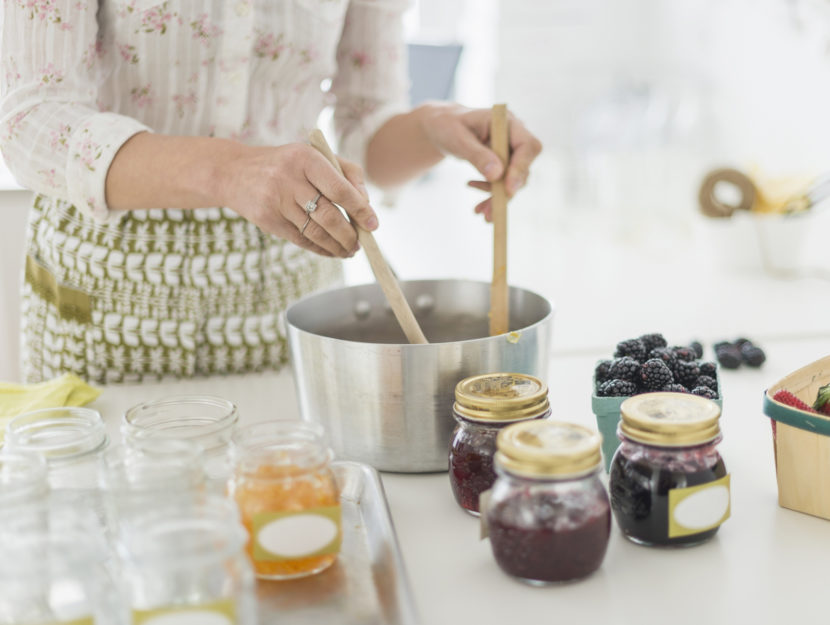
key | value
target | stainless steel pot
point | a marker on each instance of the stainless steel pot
(386, 402)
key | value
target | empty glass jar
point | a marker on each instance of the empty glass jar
(484, 404)
(668, 482)
(288, 498)
(185, 562)
(548, 514)
(207, 421)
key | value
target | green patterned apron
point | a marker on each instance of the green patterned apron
(160, 293)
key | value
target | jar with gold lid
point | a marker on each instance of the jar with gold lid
(548, 515)
(484, 404)
(668, 482)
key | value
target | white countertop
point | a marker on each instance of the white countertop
(766, 565)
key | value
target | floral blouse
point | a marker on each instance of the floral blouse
(80, 77)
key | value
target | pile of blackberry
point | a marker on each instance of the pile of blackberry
(647, 364)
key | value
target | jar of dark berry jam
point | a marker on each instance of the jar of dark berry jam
(484, 404)
(668, 483)
(548, 514)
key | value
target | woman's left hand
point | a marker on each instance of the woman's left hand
(465, 133)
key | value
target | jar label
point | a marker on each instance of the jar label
(222, 612)
(700, 508)
(294, 534)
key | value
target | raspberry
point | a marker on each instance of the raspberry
(674, 388)
(633, 348)
(684, 353)
(728, 355)
(655, 374)
(664, 354)
(752, 355)
(601, 371)
(653, 341)
(698, 347)
(705, 380)
(625, 368)
(788, 399)
(704, 391)
(686, 373)
(617, 388)
(709, 368)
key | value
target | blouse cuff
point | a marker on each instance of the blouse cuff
(354, 143)
(92, 148)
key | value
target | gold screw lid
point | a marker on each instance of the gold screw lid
(545, 448)
(670, 419)
(501, 397)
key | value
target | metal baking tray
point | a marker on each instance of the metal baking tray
(367, 585)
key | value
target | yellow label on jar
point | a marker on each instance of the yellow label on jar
(222, 612)
(290, 535)
(700, 508)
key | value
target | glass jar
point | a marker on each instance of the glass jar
(668, 483)
(548, 515)
(208, 421)
(185, 563)
(73, 442)
(288, 498)
(24, 490)
(484, 404)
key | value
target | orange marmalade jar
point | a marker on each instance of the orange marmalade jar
(287, 497)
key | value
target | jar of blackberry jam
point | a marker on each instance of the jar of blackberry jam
(484, 404)
(548, 514)
(668, 483)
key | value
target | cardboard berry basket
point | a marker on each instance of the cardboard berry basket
(607, 412)
(802, 442)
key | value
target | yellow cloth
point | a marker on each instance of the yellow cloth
(67, 390)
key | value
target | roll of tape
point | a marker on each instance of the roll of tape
(711, 206)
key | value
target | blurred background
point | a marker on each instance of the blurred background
(634, 101)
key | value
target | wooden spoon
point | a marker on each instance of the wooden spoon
(499, 305)
(383, 274)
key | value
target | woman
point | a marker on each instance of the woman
(133, 120)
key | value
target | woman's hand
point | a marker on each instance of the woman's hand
(270, 187)
(465, 133)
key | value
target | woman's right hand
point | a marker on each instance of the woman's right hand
(270, 187)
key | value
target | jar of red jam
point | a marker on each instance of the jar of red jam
(484, 404)
(668, 483)
(548, 515)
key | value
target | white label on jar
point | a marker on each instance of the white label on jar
(698, 508)
(291, 535)
(222, 612)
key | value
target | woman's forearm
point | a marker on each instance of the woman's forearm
(162, 171)
(401, 148)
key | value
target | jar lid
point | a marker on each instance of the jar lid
(670, 419)
(546, 448)
(501, 397)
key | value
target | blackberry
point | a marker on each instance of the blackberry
(633, 348)
(686, 373)
(674, 388)
(664, 354)
(686, 354)
(698, 347)
(653, 341)
(728, 355)
(601, 371)
(739, 343)
(617, 388)
(709, 368)
(625, 368)
(706, 380)
(655, 375)
(704, 391)
(752, 355)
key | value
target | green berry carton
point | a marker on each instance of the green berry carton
(607, 412)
